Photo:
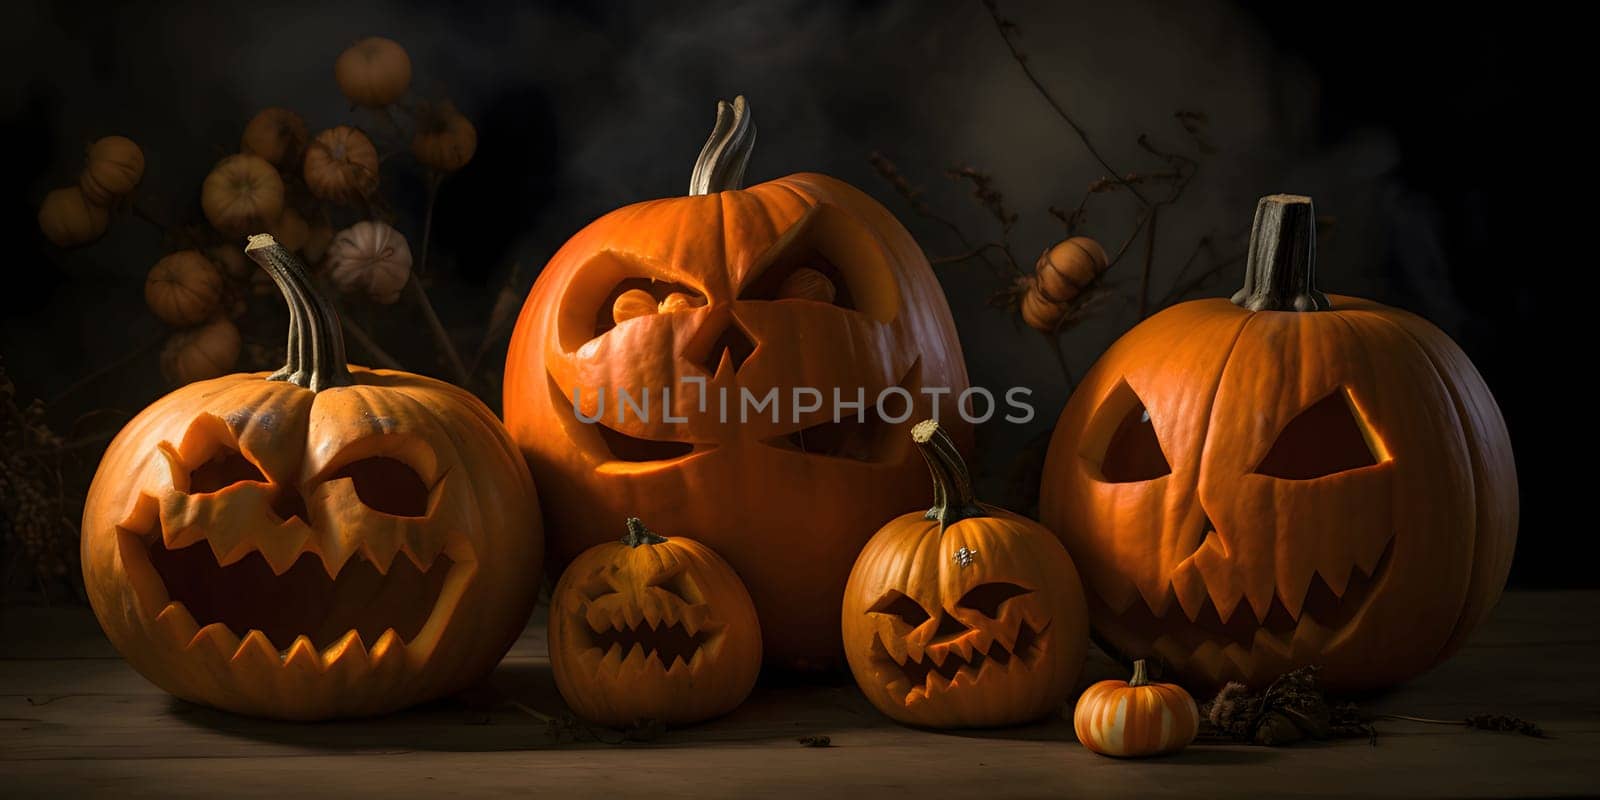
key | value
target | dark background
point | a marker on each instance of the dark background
(1423, 137)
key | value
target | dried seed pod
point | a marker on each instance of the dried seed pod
(1068, 268)
(808, 284)
(632, 303)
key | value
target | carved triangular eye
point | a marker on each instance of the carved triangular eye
(597, 585)
(678, 585)
(1329, 437)
(1132, 452)
(988, 598)
(897, 605)
(226, 467)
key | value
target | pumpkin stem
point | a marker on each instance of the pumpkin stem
(638, 534)
(1140, 676)
(953, 499)
(316, 358)
(720, 167)
(1281, 273)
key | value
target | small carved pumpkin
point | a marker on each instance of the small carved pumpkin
(445, 139)
(964, 615)
(726, 252)
(113, 168)
(1135, 717)
(68, 219)
(243, 193)
(317, 542)
(183, 288)
(200, 353)
(1286, 479)
(341, 165)
(370, 258)
(652, 628)
(373, 72)
(277, 135)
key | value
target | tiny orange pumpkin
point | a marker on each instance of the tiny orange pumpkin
(373, 72)
(1135, 717)
(243, 193)
(113, 167)
(277, 135)
(200, 353)
(652, 628)
(445, 138)
(183, 288)
(68, 219)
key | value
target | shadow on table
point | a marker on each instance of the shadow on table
(519, 708)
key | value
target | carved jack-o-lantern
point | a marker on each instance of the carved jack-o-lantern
(726, 287)
(1290, 478)
(652, 628)
(318, 542)
(964, 615)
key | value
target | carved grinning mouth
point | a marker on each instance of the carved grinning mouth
(278, 607)
(961, 661)
(671, 638)
(1210, 641)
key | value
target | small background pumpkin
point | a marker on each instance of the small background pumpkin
(371, 258)
(69, 219)
(341, 165)
(242, 193)
(652, 628)
(373, 72)
(183, 288)
(112, 169)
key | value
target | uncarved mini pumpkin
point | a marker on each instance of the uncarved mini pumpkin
(373, 72)
(112, 169)
(231, 261)
(445, 139)
(1069, 267)
(242, 193)
(652, 628)
(277, 135)
(1135, 717)
(370, 258)
(183, 288)
(316, 542)
(341, 165)
(200, 353)
(1286, 479)
(964, 615)
(68, 219)
(738, 487)
(291, 230)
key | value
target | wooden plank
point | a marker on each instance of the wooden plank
(74, 718)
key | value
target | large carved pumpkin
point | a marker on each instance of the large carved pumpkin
(317, 542)
(712, 297)
(1289, 478)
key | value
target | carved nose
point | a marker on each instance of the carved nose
(721, 338)
(288, 504)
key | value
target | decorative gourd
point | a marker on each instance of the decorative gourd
(243, 193)
(341, 165)
(200, 353)
(740, 488)
(183, 288)
(68, 219)
(965, 615)
(1286, 479)
(370, 258)
(277, 135)
(445, 139)
(652, 628)
(1135, 717)
(373, 72)
(318, 542)
(113, 168)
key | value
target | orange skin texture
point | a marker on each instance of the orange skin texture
(614, 579)
(183, 288)
(243, 193)
(789, 522)
(1220, 383)
(481, 496)
(911, 556)
(112, 168)
(202, 352)
(1115, 719)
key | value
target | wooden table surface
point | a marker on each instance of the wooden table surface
(76, 720)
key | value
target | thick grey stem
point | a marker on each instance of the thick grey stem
(720, 167)
(316, 359)
(1281, 274)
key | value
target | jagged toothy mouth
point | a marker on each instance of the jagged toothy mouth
(1208, 640)
(282, 606)
(666, 639)
(920, 675)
